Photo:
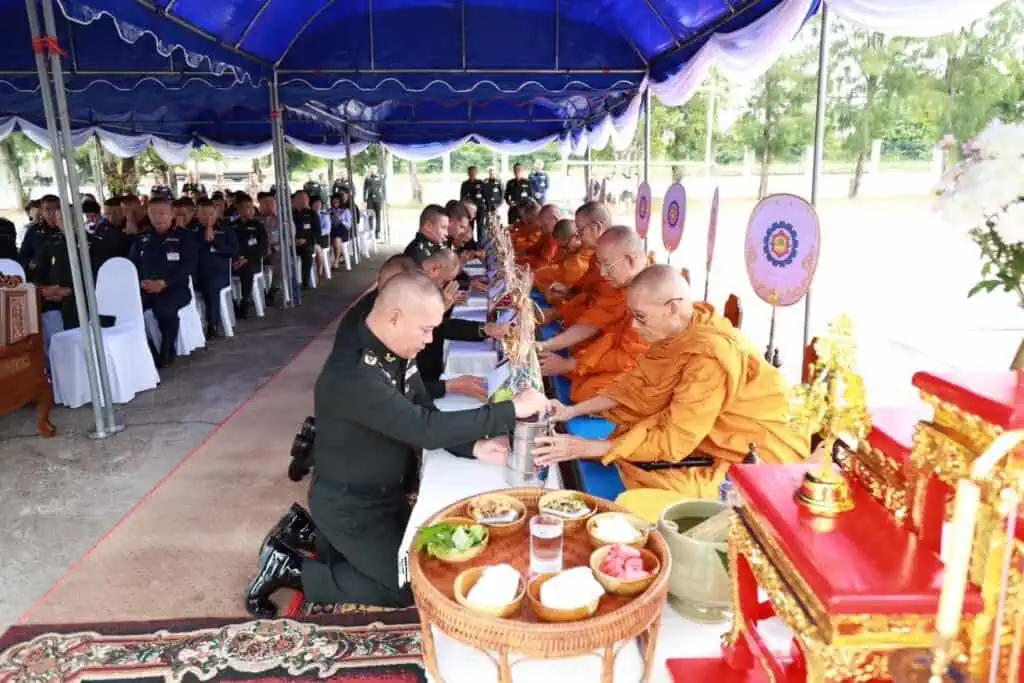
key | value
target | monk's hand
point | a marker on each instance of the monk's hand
(493, 451)
(529, 403)
(497, 330)
(558, 289)
(551, 450)
(559, 412)
(467, 385)
(553, 364)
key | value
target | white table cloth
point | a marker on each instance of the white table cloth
(476, 269)
(447, 479)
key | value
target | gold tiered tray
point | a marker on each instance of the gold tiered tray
(523, 633)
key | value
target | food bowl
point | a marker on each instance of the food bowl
(552, 614)
(499, 529)
(555, 497)
(641, 525)
(464, 583)
(465, 555)
(616, 586)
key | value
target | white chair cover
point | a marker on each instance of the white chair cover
(129, 360)
(190, 330)
(9, 267)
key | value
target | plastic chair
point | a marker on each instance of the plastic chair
(190, 330)
(259, 301)
(129, 363)
(312, 275)
(10, 267)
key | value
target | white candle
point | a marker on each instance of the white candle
(958, 559)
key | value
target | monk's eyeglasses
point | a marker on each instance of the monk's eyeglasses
(606, 267)
(641, 318)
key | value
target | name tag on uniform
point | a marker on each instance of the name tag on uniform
(173, 256)
(410, 372)
(213, 249)
(252, 241)
(307, 226)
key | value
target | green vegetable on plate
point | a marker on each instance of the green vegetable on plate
(442, 540)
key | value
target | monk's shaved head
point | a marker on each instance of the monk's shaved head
(592, 219)
(660, 281)
(405, 313)
(564, 229)
(623, 239)
(399, 263)
(660, 302)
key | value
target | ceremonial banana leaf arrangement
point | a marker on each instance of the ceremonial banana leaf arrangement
(516, 283)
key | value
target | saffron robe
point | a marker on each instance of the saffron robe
(705, 389)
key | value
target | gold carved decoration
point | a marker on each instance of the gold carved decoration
(13, 366)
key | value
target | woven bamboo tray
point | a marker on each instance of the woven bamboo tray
(617, 618)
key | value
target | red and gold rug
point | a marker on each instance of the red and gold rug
(356, 647)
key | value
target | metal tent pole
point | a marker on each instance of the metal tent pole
(283, 199)
(352, 182)
(88, 284)
(385, 175)
(647, 142)
(96, 157)
(66, 212)
(819, 145)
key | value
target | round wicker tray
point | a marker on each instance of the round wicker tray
(617, 618)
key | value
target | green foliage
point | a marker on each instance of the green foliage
(778, 123)
(1003, 264)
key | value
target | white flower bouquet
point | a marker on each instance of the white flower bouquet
(984, 194)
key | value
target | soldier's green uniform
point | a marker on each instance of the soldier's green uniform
(373, 198)
(373, 417)
(473, 191)
(493, 194)
(421, 248)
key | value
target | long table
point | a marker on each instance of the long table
(447, 478)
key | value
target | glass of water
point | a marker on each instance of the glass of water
(545, 544)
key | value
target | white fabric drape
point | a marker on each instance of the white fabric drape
(325, 151)
(119, 144)
(912, 18)
(432, 150)
(251, 151)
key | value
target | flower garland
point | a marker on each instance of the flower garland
(984, 193)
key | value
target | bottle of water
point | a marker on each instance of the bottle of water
(727, 490)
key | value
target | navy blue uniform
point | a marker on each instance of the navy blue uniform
(29, 243)
(105, 242)
(8, 240)
(307, 227)
(517, 191)
(539, 182)
(252, 246)
(215, 257)
(52, 267)
(373, 198)
(170, 257)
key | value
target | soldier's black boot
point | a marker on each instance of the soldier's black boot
(296, 530)
(281, 569)
(302, 451)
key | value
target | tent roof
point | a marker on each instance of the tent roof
(408, 71)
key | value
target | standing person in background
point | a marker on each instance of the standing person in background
(472, 190)
(517, 191)
(373, 197)
(306, 223)
(492, 194)
(8, 240)
(51, 271)
(26, 253)
(342, 183)
(272, 226)
(344, 218)
(539, 182)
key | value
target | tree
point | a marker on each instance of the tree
(778, 120)
(16, 154)
(874, 75)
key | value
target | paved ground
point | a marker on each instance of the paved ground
(892, 265)
(59, 496)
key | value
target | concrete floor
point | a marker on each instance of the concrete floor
(59, 496)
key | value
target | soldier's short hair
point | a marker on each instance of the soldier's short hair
(205, 201)
(155, 201)
(49, 199)
(450, 204)
(90, 206)
(431, 214)
(183, 202)
(217, 195)
(471, 168)
(113, 202)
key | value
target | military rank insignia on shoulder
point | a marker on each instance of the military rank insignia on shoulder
(370, 358)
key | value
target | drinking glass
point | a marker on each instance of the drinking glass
(545, 544)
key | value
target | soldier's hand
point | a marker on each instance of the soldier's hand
(450, 292)
(529, 403)
(493, 451)
(496, 330)
(478, 284)
(468, 385)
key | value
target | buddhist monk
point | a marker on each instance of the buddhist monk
(566, 261)
(603, 342)
(545, 250)
(592, 219)
(693, 405)
(526, 232)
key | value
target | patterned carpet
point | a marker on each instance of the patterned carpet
(355, 647)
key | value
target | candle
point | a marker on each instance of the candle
(958, 560)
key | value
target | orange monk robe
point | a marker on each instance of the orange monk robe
(524, 236)
(542, 253)
(600, 361)
(566, 269)
(601, 297)
(705, 390)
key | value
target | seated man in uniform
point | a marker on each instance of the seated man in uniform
(218, 246)
(373, 416)
(694, 404)
(432, 235)
(603, 343)
(165, 258)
